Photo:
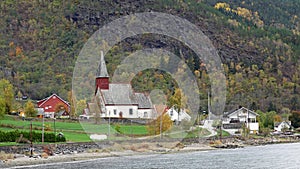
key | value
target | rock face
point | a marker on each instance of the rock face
(52, 149)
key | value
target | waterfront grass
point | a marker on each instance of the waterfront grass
(131, 129)
(73, 131)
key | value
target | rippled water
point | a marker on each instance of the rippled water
(281, 156)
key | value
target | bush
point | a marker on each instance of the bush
(12, 136)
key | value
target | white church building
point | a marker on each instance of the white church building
(119, 100)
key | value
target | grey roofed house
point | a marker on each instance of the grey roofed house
(122, 94)
(276, 124)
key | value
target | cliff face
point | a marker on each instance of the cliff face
(41, 40)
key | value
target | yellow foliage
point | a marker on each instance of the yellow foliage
(197, 73)
(244, 12)
(222, 5)
(11, 44)
(277, 118)
(164, 122)
(18, 50)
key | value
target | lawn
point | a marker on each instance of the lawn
(131, 129)
(79, 132)
(73, 131)
(224, 133)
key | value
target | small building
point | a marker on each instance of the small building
(119, 100)
(175, 116)
(234, 121)
(281, 126)
(49, 104)
(63, 114)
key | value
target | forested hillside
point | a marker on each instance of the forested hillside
(258, 42)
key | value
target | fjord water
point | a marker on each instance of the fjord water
(268, 156)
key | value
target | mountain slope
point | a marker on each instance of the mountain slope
(40, 41)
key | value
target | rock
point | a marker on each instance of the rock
(19, 155)
(44, 155)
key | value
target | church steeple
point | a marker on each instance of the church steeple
(102, 78)
(102, 71)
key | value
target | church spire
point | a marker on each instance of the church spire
(102, 78)
(102, 70)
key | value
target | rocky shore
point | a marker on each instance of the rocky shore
(50, 153)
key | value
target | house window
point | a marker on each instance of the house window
(130, 111)
(145, 114)
(115, 111)
(171, 113)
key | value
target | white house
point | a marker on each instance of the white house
(118, 100)
(233, 121)
(279, 126)
(178, 117)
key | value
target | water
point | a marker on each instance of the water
(270, 156)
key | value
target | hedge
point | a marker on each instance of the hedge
(12, 136)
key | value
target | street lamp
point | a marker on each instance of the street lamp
(54, 130)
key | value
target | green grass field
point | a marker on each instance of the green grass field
(80, 132)
(132, 129)
(73, 131)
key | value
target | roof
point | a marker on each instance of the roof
(62, 113)
(276, 124)
(102, 71)
(43, 101)
(143, 101)
(118, 94)
(122, 94)
(241, 109)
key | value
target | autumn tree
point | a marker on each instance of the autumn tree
(71, 100)
(6, 94)
(80, 106)
(178, 100)
(161, 123)
(29, 109)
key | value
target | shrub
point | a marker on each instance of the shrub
(12, 136)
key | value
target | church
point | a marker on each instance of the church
(119, 100)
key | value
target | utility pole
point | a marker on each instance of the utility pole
(43, 130)
(31, 146)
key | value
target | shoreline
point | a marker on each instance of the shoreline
(26, 161)
(116, 150)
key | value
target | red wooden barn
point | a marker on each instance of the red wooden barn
(50, 103)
